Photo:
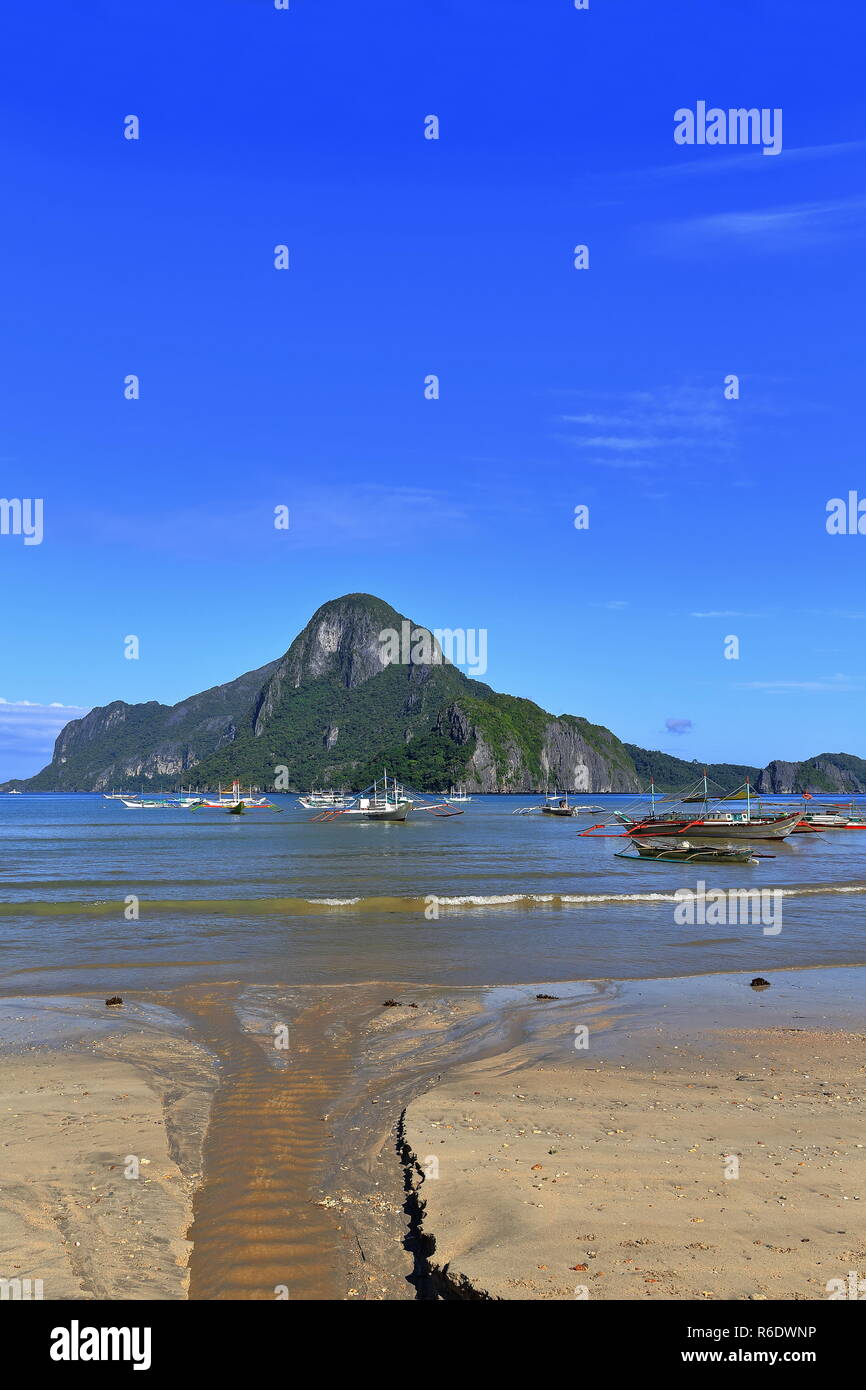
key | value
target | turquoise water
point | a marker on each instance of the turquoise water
(277, 897)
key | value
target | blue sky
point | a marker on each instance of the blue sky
(408, 256)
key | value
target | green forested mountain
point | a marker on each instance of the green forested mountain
(335, 710)
(828, 772)
(675, 774)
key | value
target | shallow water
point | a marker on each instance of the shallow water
(272, 897)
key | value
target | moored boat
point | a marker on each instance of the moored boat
(711, 821)
(836, 816)
(556, 804)
(456, 797)
(684, 852)
(323, 800)
(226, 801)
(721, 825)
(138, 804)
(385, 801)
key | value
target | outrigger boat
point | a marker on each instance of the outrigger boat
(172, 800)
(458, 796)
(834, 816)
(228, 801)
(388, 801)
(324, 800)
(685, 852)
(557, 804)
(137, 804)
(713, 821)
(826, 815)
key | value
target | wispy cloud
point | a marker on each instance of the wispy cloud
(628, 442)
(777, 229)
(725, 613)
(698, 165)
(320, 517)
(631, 424)
(8, 707)
(838, 684)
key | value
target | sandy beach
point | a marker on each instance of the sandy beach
(706, 1143)
(101, 1154)
(734, 1172)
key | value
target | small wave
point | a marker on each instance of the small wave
(488, 899)
(411, 903)
(331, 902)
(619, 898)
(808, 890)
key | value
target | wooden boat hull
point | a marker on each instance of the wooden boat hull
(150, 805)
(718, 829)
(318, 806)
(686, 853)
(822, 822)
(400, 812)
(230, 805)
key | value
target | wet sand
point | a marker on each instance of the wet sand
(99, 1158)
(291, 1136)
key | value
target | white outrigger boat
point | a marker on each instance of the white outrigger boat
(456, 797)
(386, 801)
(324, 800)
(172, 801)
(137, 804)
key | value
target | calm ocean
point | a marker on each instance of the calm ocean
(275, 897)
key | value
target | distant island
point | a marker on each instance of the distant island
(334, 710)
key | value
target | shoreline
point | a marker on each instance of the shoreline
(311, 1177)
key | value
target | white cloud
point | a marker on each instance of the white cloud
(28, 731)
(763, 229)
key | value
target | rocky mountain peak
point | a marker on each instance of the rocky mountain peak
(341, 642)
